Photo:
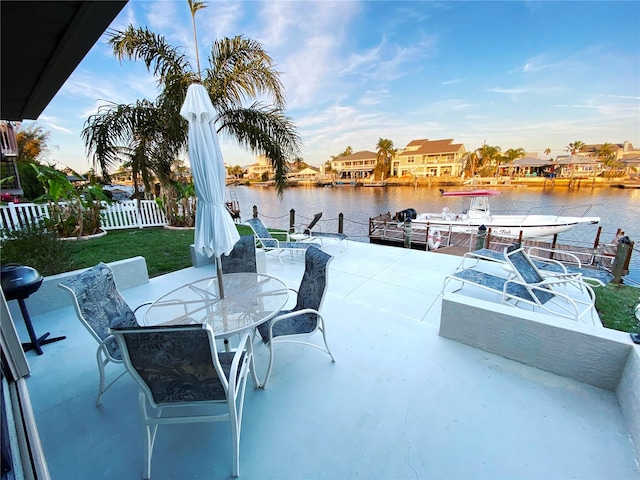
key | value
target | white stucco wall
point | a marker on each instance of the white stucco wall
(128, 273)
(628, 393)
(589, 354)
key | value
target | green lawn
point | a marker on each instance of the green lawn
(168, 250)
(164, 250)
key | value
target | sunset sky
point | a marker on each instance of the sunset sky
(534, 75)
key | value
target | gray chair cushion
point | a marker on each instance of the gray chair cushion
(100, 303)
(310, 294)
(177, 366)
(242, 258)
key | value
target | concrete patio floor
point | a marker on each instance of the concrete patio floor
(401, 402)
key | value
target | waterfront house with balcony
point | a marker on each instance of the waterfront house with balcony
(357, 165)
(424, 158)
(261, 169)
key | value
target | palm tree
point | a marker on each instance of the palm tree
(514, 154)
(490, 156)
(239, 70)
(136, 134)
(471, 163)
(606, 154)
(575, 147)
(384, 154)
(347, 151)
(547, 151)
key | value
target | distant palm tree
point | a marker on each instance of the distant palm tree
(471, 162)
(606, 154)
(547, 151)
(239, 69)
(384, 154)
(489, 156)
(575, 147)
(347, 151)
(514, 154)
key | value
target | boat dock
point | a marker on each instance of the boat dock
(384, 230)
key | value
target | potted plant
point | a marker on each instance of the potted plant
(73, 212)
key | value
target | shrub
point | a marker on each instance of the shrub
(38, 248)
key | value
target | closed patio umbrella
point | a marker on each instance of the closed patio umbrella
(215, 232)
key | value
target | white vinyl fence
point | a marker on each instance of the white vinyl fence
(118, 215)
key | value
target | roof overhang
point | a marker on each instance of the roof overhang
(42, 44)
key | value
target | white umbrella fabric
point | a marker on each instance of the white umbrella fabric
(215, 232)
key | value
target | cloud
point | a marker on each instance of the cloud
(51, 122)
(374, 97)
(508, 91)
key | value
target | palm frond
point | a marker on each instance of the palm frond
(264, 130)
(160, 57)
(241, 69)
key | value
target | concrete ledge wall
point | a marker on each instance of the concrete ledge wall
(128, 273)
(593, 355)
(628, 393)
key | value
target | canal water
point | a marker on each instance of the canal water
(617, 208)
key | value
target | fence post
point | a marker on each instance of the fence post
(139, 213)
(623, 251)
(407, 233)
(13, 213)
(482, 235)
(255, 211)
(341, 223)
(292, 219)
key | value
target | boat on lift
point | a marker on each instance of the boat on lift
(508, 225)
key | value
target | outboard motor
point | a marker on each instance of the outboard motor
(402, 215)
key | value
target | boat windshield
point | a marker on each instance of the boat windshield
(479, 204)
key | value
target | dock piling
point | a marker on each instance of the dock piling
(482, 235)
(407, 233)
(621, 262)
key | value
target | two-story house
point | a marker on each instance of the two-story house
(423, 158)
(263, 167)
(357, 165)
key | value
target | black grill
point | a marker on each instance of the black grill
(18, 282)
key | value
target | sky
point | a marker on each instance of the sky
(531, 75)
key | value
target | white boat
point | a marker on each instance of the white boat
(510, 225)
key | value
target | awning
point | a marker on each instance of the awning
(42, 44)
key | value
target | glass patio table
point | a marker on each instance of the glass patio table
(250, 299)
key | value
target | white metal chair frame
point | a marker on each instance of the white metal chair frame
(234, 391)
(103, 356)
(320, 326)
(269, 243)
(537, 291)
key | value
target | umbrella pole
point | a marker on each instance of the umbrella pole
(219, 269)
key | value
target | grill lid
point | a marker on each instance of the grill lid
(19, 281)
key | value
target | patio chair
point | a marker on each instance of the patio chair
(291, 326)
(318, 235)
(306, 229)
(242, 258)
(524, 283)
(100, 306)
(271, 244)
(183, 379)
(546, 266)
